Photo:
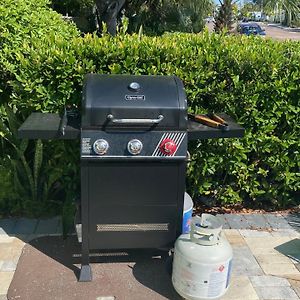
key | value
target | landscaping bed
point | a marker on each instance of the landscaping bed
(43, 60)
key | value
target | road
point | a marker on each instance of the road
(274, 31)
(284, 33)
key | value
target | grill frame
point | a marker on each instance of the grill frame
(154, 192)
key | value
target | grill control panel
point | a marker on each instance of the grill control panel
(152, 144)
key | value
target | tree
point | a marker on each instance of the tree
(81, 11)
(247, 9)
(75, 8)
(108, 11)
(291, 9)
(195, 11)
(155, 16)
(158, 16)
(224, 18)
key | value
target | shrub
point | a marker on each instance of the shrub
(255, 81)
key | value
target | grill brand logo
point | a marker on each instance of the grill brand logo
(135, 97)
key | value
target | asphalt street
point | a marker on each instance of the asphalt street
(274, 31)
(281, 33)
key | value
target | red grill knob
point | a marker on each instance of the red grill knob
(168, 147)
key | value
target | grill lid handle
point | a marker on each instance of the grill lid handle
(135, 121)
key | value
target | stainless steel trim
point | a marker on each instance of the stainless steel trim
(132, 157)
(179, 142)
(178, 138)
(135, 121)
(133, 227)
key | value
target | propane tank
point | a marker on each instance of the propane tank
(202, 260)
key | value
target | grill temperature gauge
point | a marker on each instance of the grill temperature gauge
(100, 146)
(134, 147)
(168, 147)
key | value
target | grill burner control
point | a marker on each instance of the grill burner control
(100, 146)
(168, 147)
(134, 147)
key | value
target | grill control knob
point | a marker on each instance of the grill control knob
(168, 147)
(134, 147)
(100, 146)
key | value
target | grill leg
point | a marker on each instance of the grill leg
(85, 272)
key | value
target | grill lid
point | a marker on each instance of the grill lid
(115, 101)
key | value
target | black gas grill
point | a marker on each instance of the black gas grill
(134, 132)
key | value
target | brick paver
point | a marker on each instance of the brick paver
(240, 289)
(236, 221)
(296, 286)
(255, 233)
(11, 251)
(256, 221)
(279, 269)
(5, 280)
(277, 292)
(294, 220)
(272, 258)
(268, 281)
(244, 262)
(48, 226)
(6, 238)
(9, 266)
(225, 223)
(277, 221)
(236, 240)
(7, 226)
(285, 232)
(25, 226)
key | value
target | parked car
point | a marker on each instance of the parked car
(250, 29)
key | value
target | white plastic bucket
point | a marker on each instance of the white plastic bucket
(187, 213)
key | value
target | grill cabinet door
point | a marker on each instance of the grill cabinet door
(134, 204)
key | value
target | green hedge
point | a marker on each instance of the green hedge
(43, 61)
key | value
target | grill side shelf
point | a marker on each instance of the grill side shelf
(198, 131)
(47, 126)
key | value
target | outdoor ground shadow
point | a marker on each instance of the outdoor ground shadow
(290, 249)
(294, 220)
(133, 273)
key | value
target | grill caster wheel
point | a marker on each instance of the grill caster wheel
(85, 273)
